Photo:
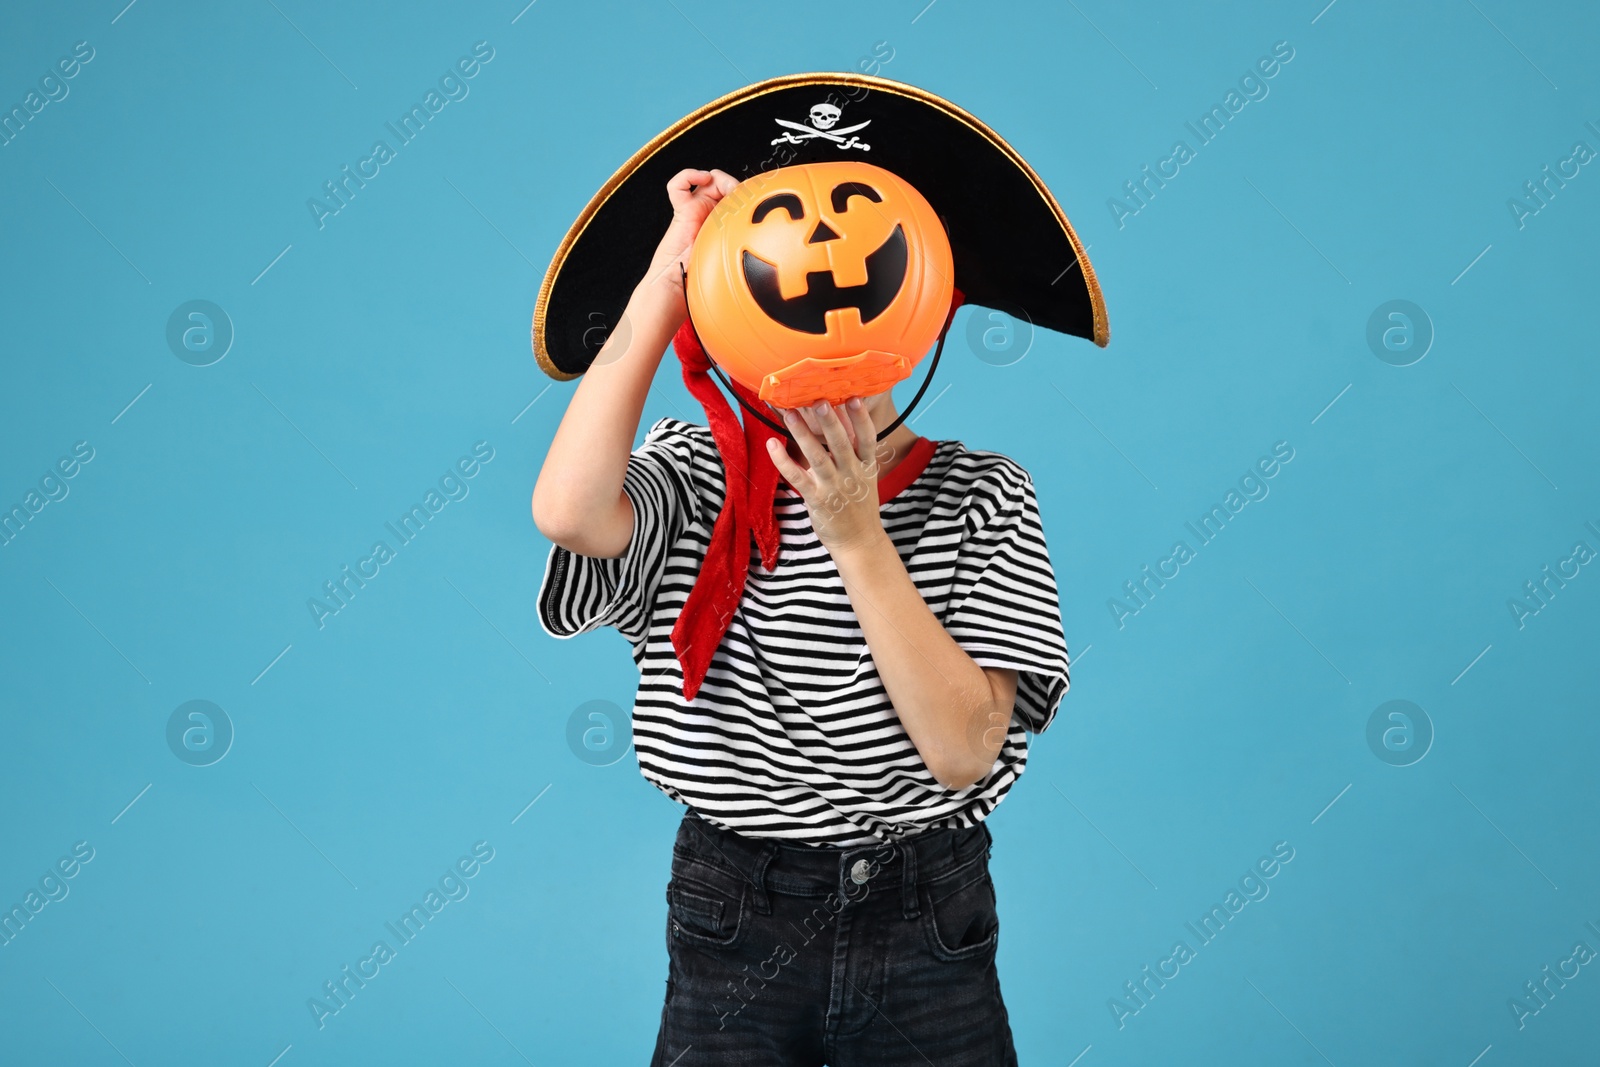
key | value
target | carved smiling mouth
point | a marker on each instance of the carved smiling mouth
(807, 313)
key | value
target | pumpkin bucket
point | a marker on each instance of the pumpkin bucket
(820, 281)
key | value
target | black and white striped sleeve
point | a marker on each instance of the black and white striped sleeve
(1004, 608)
(582, 593)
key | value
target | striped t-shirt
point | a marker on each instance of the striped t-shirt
(791, 735)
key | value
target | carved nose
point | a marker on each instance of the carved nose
(823, 232)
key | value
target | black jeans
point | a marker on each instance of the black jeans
(785, 955)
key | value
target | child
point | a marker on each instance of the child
(865, 707)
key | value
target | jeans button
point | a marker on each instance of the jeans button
(859, 872)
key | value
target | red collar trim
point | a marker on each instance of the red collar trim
(905, 472)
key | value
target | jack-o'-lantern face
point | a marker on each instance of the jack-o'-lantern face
(820, 281)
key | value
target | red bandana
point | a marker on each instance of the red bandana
(752, 481)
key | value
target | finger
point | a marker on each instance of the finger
(724, 182)
(810, 444)
(787, 467)
(680, 188)
(687, 177)
(710, 187)
(838, 440)
(866, 433)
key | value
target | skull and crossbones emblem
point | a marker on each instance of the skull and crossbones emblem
(823, 117)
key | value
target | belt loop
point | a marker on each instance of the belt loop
(908, 878)
(758, 878)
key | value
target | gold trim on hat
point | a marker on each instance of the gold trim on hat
(1102, 330)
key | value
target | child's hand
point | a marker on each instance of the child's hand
(693, 194)
(840, 488)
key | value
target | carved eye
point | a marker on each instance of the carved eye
(845, 190)
(788, 201)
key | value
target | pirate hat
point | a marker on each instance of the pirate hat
(1012, 245)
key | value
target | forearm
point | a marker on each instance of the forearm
(942, 696)
(577, 500)
(580, 483)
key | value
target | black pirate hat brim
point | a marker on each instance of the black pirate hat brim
(1012, 244)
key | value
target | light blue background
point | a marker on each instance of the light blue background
(425, 716)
